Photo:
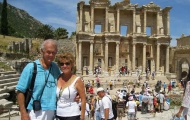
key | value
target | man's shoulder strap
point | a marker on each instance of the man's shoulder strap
(33, 76)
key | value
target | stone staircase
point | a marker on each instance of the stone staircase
(129, 79)
(8, 82)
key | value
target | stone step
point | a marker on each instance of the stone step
(9, 76)
(5, 103)
(5, 116)
(7, 85)
(11, 88)
(7, 73)
(9, 80)
(2, 90)
(4, 95)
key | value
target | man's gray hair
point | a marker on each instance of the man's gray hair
(51, 41)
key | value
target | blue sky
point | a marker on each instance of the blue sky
(62, 13)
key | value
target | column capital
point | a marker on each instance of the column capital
(134, 11)
(106, 42)
(81, 6)
(91, 42)
(79, 42)
(117, 42)
(158, 44)
(144, 44)
(118, 10)
(134, 43)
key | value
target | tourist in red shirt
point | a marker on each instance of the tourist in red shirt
(91, 90)
(169, 88)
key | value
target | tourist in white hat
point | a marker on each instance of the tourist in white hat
(106, 106)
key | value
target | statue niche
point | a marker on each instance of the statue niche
(97, 49)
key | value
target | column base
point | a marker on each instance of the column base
(133, 74)
(79, 72)
(106, 73)
(158, 73)
(116, 74)
(90, 73)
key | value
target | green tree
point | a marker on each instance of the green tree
(4, 21)
(73, 34)
(45, 32)
(61, 33)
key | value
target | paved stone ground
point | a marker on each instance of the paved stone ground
(165, 115)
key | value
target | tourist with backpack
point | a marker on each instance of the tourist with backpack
(44, 94)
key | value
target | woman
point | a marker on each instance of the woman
(68, 87)
(186, 99)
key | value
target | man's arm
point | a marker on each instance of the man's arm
(21, 103)
(106, 113)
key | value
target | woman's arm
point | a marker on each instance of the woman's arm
(80, 88)
(186, 100)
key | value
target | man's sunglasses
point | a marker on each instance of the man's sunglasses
(62, 64)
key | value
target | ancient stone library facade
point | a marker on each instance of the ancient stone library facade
(122, 34)
(180, 57)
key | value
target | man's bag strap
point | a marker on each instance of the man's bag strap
(33, 77)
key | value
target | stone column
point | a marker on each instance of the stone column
(118, 20)
(158, 57)
(106, 58)
(117, 57)
(80, 57)
(81, 16)
(91, 58)
(167, 59)
(144, 21)
(128, 57)
(168, 23)
(144, 58)
(92, 18)
(152, 63)
(157, 23)
(134, 21)
(106, 20)
(134, 56)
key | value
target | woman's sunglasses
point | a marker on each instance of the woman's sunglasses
(62, 64)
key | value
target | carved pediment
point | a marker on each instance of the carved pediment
(152, 7)
(100, 2)
(125, 4)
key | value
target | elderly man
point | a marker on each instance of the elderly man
(145, 99)
(161, 99)
(106, 106)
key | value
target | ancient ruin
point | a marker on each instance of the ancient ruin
(144, 44)
(180, 57)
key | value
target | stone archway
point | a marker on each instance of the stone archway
(182, 63)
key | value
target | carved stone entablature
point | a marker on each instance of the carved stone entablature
(100, 2)
(85, 36)
(141, 40)
(80, 4)
(112, 37)
(163, 42)
(151, 7)
(125, 7)
(166, 9)
(187, 47)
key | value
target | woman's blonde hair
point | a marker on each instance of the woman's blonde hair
(68, 56)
